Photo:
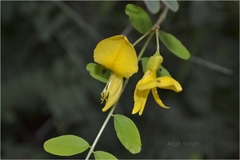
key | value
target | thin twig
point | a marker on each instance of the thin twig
(145, 46)
(79, 20)
(211, 65)
(44, 129)
(161, 17)
(100, 131)
(69, 47)
(127, 30)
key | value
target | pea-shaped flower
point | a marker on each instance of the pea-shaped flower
(149, 82)
(118, 55)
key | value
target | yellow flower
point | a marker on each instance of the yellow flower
(117, 54)
(149, 82)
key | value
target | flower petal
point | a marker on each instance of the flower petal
(168, 83)
(140, 98)
(157, 98)
(162, 82)
(112, 91)
(117, 54)
(148, 76)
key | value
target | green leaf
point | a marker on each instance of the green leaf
(139, 19)
(144, 63)
(173, 4)
(127, 133)
(101, 155)
(174, 45)
(98, 72)
(161, 71)
(66, 145)
(153, 6)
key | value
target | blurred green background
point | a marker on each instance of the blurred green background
(46, 90)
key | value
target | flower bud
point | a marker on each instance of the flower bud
(154, 62)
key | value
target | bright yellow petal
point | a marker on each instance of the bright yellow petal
(157, 98)
(168, 83)
(162, 82)
(112, 91)
(117, 54)
(148, 85)
(140, 98)
(148, 76)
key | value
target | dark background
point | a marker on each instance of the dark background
(46, 90)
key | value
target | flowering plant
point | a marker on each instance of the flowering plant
(116, 61)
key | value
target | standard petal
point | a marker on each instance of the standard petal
(140, 98)
(162, 82)
(157, 98)
(117, 54)
(112, 91)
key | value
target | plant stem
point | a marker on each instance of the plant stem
(141, 38)
(161, 17)
(157, 39)
(144, 47)
(100, 131)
